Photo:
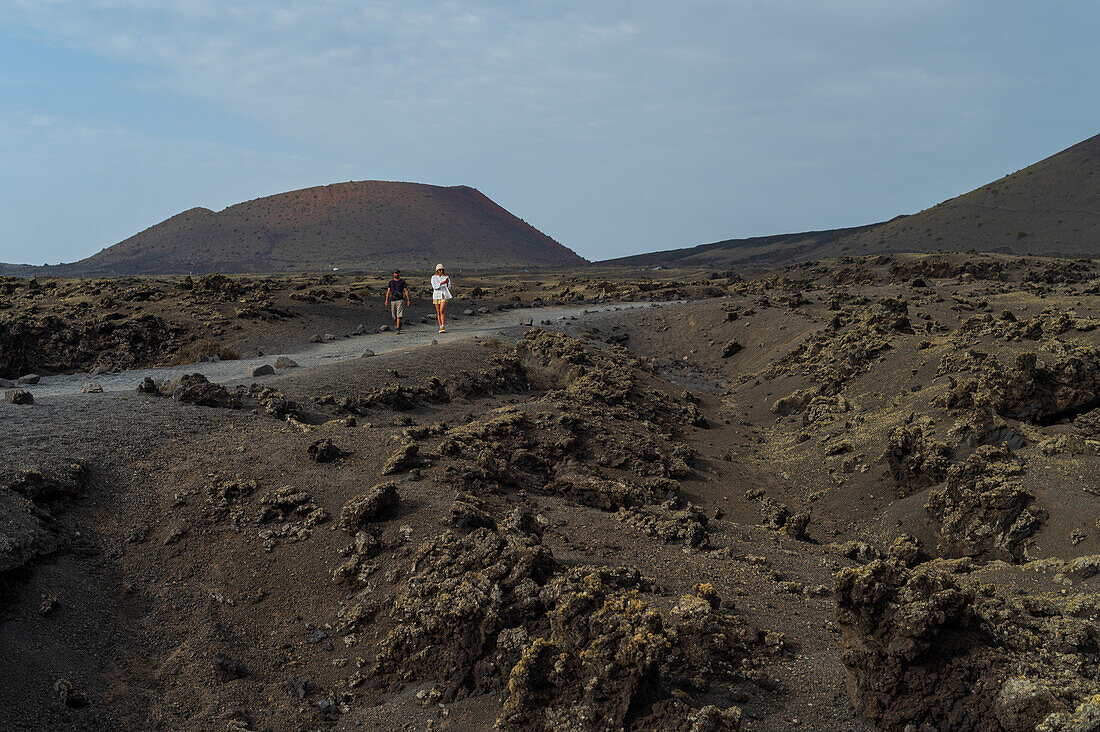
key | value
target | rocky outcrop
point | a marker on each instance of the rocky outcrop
(1059, 386)
(198, 390)
(915, 459)
(579, 649)
(28, 501)
(930, 646)
(52, 343)
(982, 510)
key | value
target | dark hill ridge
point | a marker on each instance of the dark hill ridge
(754, 251)
(1051, 208)
(359, 225)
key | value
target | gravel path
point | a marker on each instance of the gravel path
(342, 349)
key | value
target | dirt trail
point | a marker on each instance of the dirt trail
(342, 349)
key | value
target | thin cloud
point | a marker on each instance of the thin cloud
(685, 116)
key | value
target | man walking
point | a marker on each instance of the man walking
(397, 297)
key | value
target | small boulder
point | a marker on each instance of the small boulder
(325, 451)
(148, 386)
(383, 329)
(316, 338)
(91, 388)
(378, 503)
(796, 526)
(198, 390)
(360, 329)
(406, 458)
(367, 354)
(263, 370)
(18, 396)
(282, 363)
(731, 349)
(28, 379)
(467, 515)
(330, 336)
(468, 311)
(68, 695)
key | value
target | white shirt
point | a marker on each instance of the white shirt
(441, 287)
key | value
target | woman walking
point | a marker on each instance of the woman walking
(441, 293)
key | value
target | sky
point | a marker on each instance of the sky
(615, 127)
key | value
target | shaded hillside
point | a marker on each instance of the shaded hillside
(367, 225)
(1051, 208)
(758, 250)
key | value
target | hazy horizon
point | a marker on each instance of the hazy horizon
(614, 130)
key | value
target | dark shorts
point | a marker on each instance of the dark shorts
(397, 308)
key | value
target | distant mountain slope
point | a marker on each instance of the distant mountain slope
(755, 251)
(369, 224)
(1050, 208)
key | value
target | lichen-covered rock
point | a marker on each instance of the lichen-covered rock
(907, 549)
(934, 267)
(1088, 424)
(796, 526)
(1085, 718)
(468, 513)
(911, 648)
(1022, 704)
(687, 527)
(398, 397)
(916, 460)
(63, 479)
(197, 389)
(274, 402)
(377, 504)
(580, 649)
(407, 457)
(358, 566)
(982, 510)
(601, 654)
(282, 503)
(847, 347)
(463, 592)
(773, 515)
(732, 348)
(18, 396)
(149, 386)
(325, 451)
(931, 645)
(53, 343)
(607, 650)
(1044, 391)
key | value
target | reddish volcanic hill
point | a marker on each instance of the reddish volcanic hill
(360, 225)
